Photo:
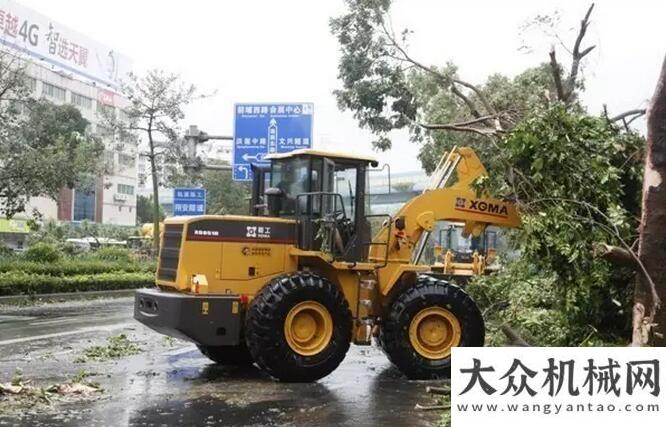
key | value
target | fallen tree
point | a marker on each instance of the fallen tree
(576, 176)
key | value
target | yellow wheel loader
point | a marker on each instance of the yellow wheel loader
(310, 271)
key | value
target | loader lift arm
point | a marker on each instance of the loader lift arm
(458, 202)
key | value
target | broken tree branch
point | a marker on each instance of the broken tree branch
(566, 89)
(479, 93)
(456, 127)
(556, 70)
(431, 408)
(444, 79)
(490, 121)
(617, 255)
(578, 55)
(468, 102)
(638, 112)
(627, 123)
(438, 390)
(514, 339)
(613, 231)
(481, 119)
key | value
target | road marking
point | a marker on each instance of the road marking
(50, 322)
(62, 334)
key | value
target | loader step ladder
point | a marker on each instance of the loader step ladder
(440, 177)
(366, 307)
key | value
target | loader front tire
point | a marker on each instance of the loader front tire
(298, 327)
(236, 355)
(423, 324)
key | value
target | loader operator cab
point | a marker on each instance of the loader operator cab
(325, 193)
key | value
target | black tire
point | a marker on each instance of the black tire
(264, 327)
(428, 292)
(227, 355)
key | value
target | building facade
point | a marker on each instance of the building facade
(108, 199)
(66, 67)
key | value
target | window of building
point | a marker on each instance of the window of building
(109, 161)
(53, 92)
(126, 160)
(126, 189)
(84, 205)
(81, 101)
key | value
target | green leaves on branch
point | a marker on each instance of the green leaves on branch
(375, 85)
(576, 179)
(225, 196)
(44, 148)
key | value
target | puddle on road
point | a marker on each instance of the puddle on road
(180, 387)
(365, 390)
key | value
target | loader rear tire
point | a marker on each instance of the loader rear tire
(298, 327)
(227, 355)
(425, 322)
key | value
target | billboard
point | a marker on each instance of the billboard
(43, 39)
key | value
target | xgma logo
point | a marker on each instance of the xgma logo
(480, 206)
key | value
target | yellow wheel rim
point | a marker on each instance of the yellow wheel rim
(308, 328)
(433, 332)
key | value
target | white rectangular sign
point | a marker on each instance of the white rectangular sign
(555, 386)
(45, 40)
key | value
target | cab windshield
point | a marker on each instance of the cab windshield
(292, 177)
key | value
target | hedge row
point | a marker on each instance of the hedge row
(19, 283)
(73, 266)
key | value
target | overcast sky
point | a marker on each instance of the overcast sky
(282, 51)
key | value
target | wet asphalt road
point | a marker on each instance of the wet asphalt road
(171, 383)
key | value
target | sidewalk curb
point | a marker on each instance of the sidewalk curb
(13, 299)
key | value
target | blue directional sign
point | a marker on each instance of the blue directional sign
(261, 129)
(189, 201)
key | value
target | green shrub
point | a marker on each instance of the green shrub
(114, 253)
(19, 283)
(5, 251)
(71, 249)
(74, 266)
(53, 231)
(42, 252)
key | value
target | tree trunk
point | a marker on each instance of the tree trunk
(649, 321)
(156, 196)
